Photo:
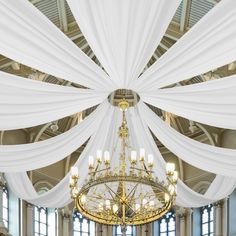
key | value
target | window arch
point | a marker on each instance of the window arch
(167, 225)
(5, 206)
(82, 226)
(130, 231)
(207, 220)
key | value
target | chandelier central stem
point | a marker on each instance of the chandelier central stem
(123, 135)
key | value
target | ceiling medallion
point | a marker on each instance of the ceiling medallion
(122, 189)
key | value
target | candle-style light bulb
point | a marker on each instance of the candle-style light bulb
(150, 160)
(170, 168)
(175, 176)
(74, 171)
(142, 154)
(91, 162)
(115, 208)
(107, 157)
(99, 156)
(133, 157)
(167, 198)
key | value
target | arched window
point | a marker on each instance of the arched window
(82, 226)
(40, 221)
(5, 206)
(130, 231)
(207, 220)
(167, 224)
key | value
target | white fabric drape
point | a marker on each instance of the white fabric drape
(217, 160)
(24, 157)
(185, 197)
(212, 102)
(59, 196)
(29, 37)
(123, 34)
(208, 45)
(26, 103)
(105, 138)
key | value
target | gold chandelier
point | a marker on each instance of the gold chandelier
(127, 194)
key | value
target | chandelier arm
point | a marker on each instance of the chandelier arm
(110, 190)
(135, 187)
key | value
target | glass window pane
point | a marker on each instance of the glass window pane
(171, 224)
(163, 226)
(205, 228)
(129, 230)
(212, 213)
(163, 234)
(92, 228)
(211, 227)
(36, 227)
(43, 216)
(5, 223)
(76, 225)
(85, 226)
(205, 216)
(43, 229)
(5, 213)
(118, 230)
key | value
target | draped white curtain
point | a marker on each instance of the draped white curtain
(212, 102)
(59, 196)
(123, 34)
(220, 188)
(206, 46)
(18, 158)
(209, 158)
(29, 37)
(26, 103)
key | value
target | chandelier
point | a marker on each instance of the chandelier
(128, 193)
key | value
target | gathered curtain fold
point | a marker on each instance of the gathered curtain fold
(123, 34)
(212, 102)
(59, 196)
(206, 46)
(26, 103)
(186, 197)
(213, 159)
(30, 38)
(25, 157)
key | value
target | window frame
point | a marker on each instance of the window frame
(81, 218)
(5, 192)
(39, 222)
(169, 215)
(209, 208)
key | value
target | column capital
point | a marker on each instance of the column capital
(2, 180)
(66, 213)
(181, 212)
(29, 205)
(218, 204)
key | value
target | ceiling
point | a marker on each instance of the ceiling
(188, 14)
